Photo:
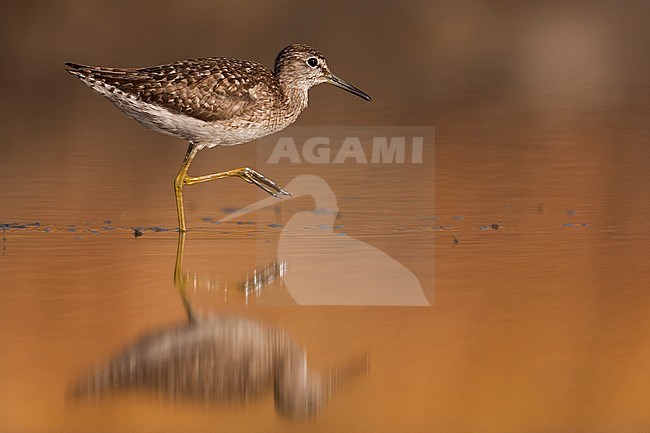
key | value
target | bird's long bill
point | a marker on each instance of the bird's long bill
(349, 87)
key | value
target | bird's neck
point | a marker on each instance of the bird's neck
(296, 97)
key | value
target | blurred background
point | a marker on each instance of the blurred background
(541, 117)
(517, 70)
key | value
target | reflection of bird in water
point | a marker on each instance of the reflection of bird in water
(217, 358)
(326, 269)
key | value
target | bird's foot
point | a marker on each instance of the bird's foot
(255, 178)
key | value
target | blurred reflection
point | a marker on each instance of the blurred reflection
(250, 287)
(339, 270)
(217, 358)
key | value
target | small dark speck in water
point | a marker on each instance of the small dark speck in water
(229, 209)
(575, 224)
(275, 226)
(159, 229)
(108, 222)
(47, 229)
(13, 226)
(540, 207)
(455, 240)
(494, 226)
(71, 229)
(458, 217)
(137, 233)
(207, 219)
(571, 212)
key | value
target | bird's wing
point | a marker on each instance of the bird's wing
(211, 89)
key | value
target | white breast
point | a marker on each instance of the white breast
(202, 133)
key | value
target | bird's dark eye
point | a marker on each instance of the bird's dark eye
(312, 61)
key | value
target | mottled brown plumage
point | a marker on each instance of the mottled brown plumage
(216, 101)
(212, 89)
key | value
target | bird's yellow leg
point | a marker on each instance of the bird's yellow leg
(180, 279)
(178, 185)
(246, 173)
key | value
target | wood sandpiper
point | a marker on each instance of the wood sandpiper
(216, 101)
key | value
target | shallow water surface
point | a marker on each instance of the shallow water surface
(501, 285)
(532, 259)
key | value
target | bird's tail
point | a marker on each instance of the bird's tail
(76, 65)
(77, 69)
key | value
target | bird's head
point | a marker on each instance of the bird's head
(302, 66)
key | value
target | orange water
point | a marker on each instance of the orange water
(540, 325)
